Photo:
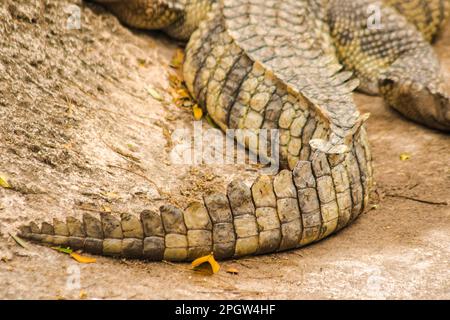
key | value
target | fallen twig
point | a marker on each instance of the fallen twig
(436, 203)
(138, 174)
(92, 209)
(122, 153)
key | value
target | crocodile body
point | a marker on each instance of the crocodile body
(257, 64)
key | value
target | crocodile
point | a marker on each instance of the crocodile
(290, 65)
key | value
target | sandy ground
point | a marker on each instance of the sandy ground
(80, 131)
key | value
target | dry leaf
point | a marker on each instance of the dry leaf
(233, 270)
(19, 241)
(141, 62)
(82, 259)
(198, 112)
(83, 294)
(183, 93)
(206, 262)
(111, 195)
(177, 60)
(63, 250)
(4, 182)
(405, 156)
(174, 80)
(132, 147)
(154, 93)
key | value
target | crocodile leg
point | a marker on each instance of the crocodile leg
(394, 59)
(178, 18)
(429, 16)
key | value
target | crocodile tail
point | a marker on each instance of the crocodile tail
(277, 213)
(322, 139)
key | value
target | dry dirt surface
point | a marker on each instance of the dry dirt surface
(80, 131)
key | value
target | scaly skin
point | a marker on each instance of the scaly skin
(429, 17)
(258, 64)
(395, 60)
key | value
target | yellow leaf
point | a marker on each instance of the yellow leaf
(177, 59)
(63, 250)
(183, 93)
(18, 241)
(198, 112)
(83, 294)
(174, 80)
(141, 62)
(206, 261)
(82, 259)
(232, 270)
(4, 182)
(405, 156)
(155, 94)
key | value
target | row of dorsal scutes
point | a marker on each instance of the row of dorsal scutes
(286, 211)
(307, 65)
(242, 93)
